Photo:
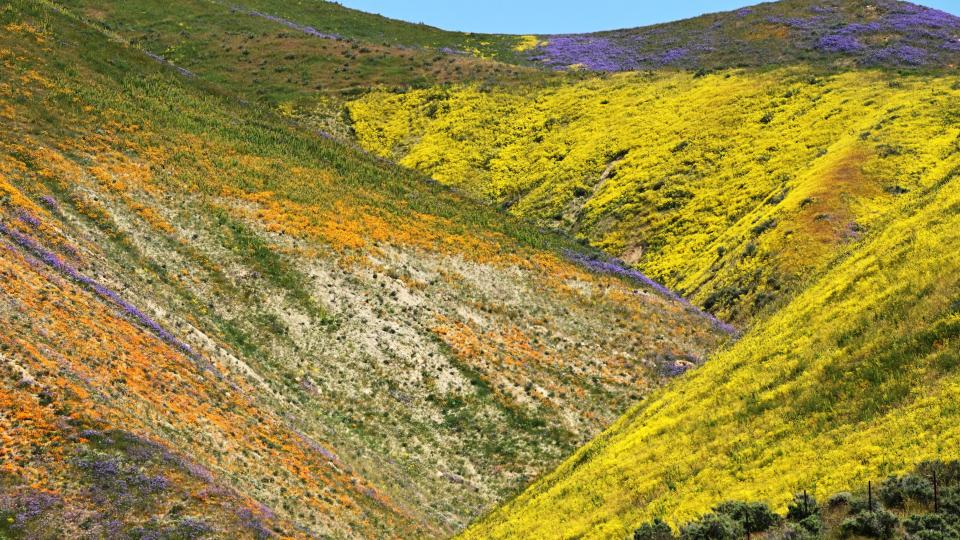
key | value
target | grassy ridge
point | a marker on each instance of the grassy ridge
(855, 378)
(731, 187)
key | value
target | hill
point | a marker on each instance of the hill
(856, 378)
(732, 187)
(304, 58)
(218, 323)
(829, 33)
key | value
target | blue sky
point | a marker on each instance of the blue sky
(556, 16)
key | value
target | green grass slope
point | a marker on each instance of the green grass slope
(857, 377)
(303, 58)
(216, 323)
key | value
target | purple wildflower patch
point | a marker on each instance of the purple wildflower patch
(29, 219)
(50, 202)
(118, 484)
(618, 268)
(592, 52)
(810, 23)
(252, 523)
(899, 54)
(840, 43)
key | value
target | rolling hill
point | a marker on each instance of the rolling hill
(854, 379)
(836, 33)
(286, 269)
(216, 323)
(732, 187)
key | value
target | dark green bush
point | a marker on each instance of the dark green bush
(843, 499)
(812, 524)
(879, 524)
(713, 527)
(654, 530)
(930, 526)
(803, 506)
(753, 517)
(792, 531)
(933, 535)
(950, 501)
(895, 491)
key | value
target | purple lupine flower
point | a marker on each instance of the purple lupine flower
(908, 16)
(810, 23)
(618, 268)
(29, 219)
(199, 471)
(317, 447)
(50, 202)
(672, 56)
(252, 523)
(33, 505)
(55, 262)
(452, 51)
(902, 54)
(193, 528)
(593, 52)
(839, 43)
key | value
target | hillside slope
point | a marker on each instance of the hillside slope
(731, 187)
(216, 323)
(303, 58)
(858, 377)
(827, 33)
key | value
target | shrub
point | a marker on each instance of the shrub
(812, 524)
(803, 506)
(713, 527)
(930, 526)
(896, 491)
(950, 501)
(948, 472)
(879, 524)
(796, 532)
(753, 517)
(840, 500)
(653, 530)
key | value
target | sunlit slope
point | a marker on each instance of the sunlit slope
(859, 376)
(730, 187)
(209, 315)
(832, 34)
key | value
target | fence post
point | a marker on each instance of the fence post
(870, 495)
